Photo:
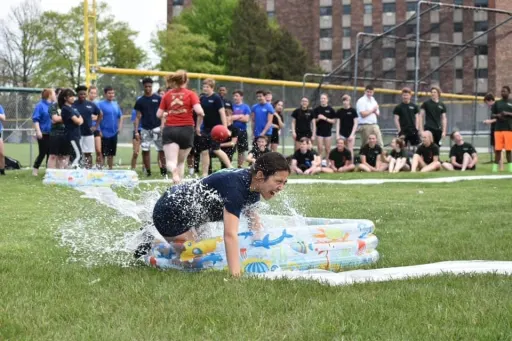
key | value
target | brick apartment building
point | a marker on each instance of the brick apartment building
(327, 29)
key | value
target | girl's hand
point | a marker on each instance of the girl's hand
(236, 273)
(39, 135)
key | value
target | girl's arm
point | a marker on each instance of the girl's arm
(231, 223)
(354, 128)
(338, 129)
(229, 144)
(78, 120)
(281, 123)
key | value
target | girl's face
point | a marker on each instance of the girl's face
(70, 100)
(207, 89)
(324, 100)
(435, 94)
(262, 144)
(393, 144)
(346, 102)
(279, 106)
(304, 103)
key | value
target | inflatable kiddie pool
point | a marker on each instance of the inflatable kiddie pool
(313, 243)
(90, 177)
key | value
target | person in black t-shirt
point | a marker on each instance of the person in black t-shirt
(346, 123)
(301, 122)
(72, 121)
(371, 156)
(397, 158)
(463, 155)
(324, 117)
(426, 157)
(277, 125)
(490, 100)
(340, 159)
(407, 119)
(229, 146)
(433, 116)
(304, 160)
(260, 149)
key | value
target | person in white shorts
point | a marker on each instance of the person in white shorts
(87, 110)
(150, 133)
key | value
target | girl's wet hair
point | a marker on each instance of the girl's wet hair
(269, 164)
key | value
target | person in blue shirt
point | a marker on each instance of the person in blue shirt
(135, 138)
(262, 114)
(146, 108)
(110, 125)
(42, 125)
(72, 121)
(87, 110)
(183, 210)
(2, 156)
(215, 114)
(241, 115)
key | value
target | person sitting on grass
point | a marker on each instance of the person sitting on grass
(463, 155)
(371, 156)
(398, 159)
(306, 161)
(340, 159)
(426, 157)
(260, 149)
(183, 210)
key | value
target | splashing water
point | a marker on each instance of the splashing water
(109, 237)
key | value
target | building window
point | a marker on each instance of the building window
(325, 33)
(387, 28)
(481, 3)
(482, 50)
(326, 55)
(388, 53)
(388, 8)
(347, 54)
(346, 31)
(346, 9)
(326, 10)
(457, 27)
(368, 29)
(368, 9)
(435, 76)
(411, 52)
(178, 2)
(434, 52)
(271, 14)
(368, 74)
(459, 73)
(411, 75)
(411, 28)
(481, 73)
(411, 6)
(458, 2)
(481, 26)
(434, 28)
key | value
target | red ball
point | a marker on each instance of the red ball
(220, 133)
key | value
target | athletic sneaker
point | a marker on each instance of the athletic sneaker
(163, 171)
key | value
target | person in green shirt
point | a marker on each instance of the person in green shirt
(502, 113)
(433, 116)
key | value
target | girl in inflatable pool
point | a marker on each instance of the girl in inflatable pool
(221, 196)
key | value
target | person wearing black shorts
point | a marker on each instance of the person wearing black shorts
(324, 117)
(407, 119)
(306, 161)
(301, 122)
(277, 125)
(72, 121)
(340, 159)
(463, 155)
(59, 150)
(371, 156)
(241, 115)
(346, 123)
(229, 146)
(110, 125)
(433, 116)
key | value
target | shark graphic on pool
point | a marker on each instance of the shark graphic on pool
(267, 243)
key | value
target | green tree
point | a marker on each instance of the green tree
(248, 40)
(179, 48)
(214, 19)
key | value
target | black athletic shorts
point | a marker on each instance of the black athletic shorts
(436, 134)
(323, 133)
(303, 167)
(109, 145)
(182, 136)
(207, 143)
(59, 144)
(242, 145)
(96, 133)
(301, 134)
(411, 138)
(275, 136)
(168, 218)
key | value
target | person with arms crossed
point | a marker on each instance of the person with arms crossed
(502, 113)
(340, 159)
(110, 125)
(433, 116)
(302, 118)
(262, 114)
(346, 123)
(59, 145)
(277, 124)
(426, 157)
(182, 212)
(324, 117)
(407, 119)
(72, 121)
(306, 161)
(368, 111)
(176, 111)
(371, 155)
(463, 155)
(2, 154)
(87, 111)
(150, 133)
(42, 126)
(241, 115)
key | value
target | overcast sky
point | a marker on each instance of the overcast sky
(144, 16)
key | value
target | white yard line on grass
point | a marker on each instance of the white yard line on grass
(371, 181)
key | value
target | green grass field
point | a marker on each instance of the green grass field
(45, 297)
